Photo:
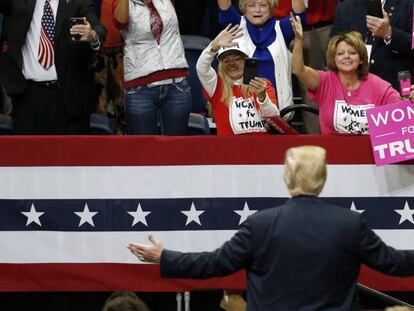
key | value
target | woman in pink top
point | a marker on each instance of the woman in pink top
(346, 90)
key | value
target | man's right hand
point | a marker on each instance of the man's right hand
(147, 252)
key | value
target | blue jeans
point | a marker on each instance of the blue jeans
(169, 104)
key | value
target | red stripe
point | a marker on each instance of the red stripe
(158, 150)
(383, 282)
(101, 277)
(111, 277)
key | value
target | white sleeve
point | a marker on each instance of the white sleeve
(268, 108)
(206, 74)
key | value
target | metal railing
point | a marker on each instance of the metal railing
(384, 298)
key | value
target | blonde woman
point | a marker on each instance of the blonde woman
(237, 108)
(267, 39)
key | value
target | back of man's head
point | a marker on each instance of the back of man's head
(305, 170)
(124, 301)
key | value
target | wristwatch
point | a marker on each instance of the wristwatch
(95, 44)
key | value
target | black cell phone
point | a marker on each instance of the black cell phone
(375, 8)
(76, 21)
(404, 77)
(250, 69)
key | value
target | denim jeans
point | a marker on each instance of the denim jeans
(169, 104)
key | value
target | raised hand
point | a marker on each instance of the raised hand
(297, 26)
(226, 37)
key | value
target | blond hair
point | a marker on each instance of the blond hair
(242, 5)
(354, 39)
(305, 170)
(227, 86)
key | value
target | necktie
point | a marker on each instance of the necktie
(47, 34)
(155, 22)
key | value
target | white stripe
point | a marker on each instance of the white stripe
(110, 247)
(139, 182)
(97, 247)
(229, 181)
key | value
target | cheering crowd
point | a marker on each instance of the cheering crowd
(125, 59)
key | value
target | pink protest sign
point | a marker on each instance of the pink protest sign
(391, 129)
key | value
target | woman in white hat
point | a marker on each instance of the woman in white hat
(237, 108)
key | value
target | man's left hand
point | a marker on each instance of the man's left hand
(379, 27)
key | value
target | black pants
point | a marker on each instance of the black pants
(40, 110)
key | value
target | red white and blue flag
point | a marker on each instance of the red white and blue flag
(70, 205)
(46, 53)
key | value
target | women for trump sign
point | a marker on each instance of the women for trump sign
(391, 130)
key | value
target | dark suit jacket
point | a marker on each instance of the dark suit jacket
(387, 60)
(304, 255)
(73, 60)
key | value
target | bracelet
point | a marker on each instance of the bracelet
(95, 42)
(95, 38)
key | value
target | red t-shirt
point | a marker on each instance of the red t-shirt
(238, 121)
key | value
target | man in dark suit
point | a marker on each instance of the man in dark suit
(48, 73)
(389, 38)
(303, 255)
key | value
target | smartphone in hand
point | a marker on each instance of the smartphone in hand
(375, 8)
(76, 21)
(404, 78)
(250, 69)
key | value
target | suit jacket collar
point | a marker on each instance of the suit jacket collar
(61, 16)
(30, 8)
(305, 199)
(389, 7)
